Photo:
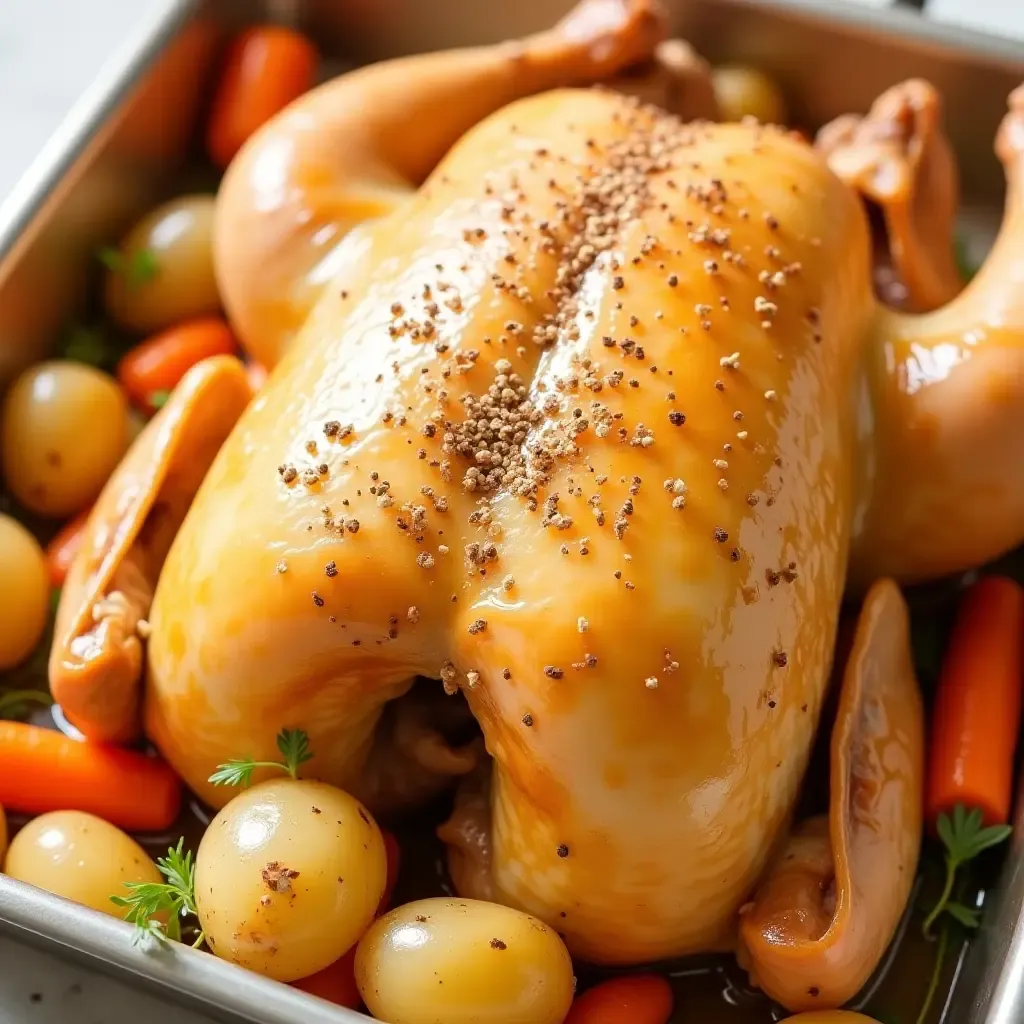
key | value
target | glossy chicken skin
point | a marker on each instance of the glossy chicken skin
(711, 621)
(647, 655)
(358, 147)
(811, 934)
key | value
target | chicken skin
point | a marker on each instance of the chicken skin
(590, 426)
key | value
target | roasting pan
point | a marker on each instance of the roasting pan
(131, 133)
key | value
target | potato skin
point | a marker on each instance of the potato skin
(64, 429)
(746, 92)
(463, 962)
(288, 876)
(177, 238)
(24, 594)
(80, 857)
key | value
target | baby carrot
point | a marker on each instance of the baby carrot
(336, 983)
(265, 69)
(61, 551)
(634, 999)
(157, 365)
(43, 770)
(978, 704)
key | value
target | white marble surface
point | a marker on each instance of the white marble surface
(1003, 17)
(50, 50)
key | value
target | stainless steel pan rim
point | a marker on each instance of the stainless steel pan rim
(178, 972)
(82, 128)
(866, 47)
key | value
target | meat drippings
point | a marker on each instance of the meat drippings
(424, 742)
(467, 834)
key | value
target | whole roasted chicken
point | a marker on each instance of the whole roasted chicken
(588, 409)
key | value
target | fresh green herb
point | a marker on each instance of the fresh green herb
(88, 345)
(55, 599)
(140, 267)
(15, 703)
(158, 399)
(964, 838)
(967, 267)
(933, 982)
(294, 747)
(176, 897)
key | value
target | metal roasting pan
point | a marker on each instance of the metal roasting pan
(131, 131)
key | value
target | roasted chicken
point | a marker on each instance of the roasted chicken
(591, 413)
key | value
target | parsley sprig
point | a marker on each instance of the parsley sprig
(175, 898)
(964, 838)
(137, 269)
(294, 747)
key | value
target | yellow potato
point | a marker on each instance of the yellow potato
(743, 92)
(163, 271)
(63, 431)
(24, 592)
(288, 876)
(80, 857)
(463, 962)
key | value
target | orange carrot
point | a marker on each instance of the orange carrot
(266, 68)
(44, 770)
(978, 704)
(336, 983)
(634, 999)
(394, 853)
(61, 551)
(154, 368)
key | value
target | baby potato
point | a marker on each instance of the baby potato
(162, 272)
(63, 431)
(80, 857)
(24, 593)
(745, 92)
(463, 962)
(288, 876)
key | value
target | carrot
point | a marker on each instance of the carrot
(978, 704)
(61, 551)
(634, 999)
(44, 770)
(156, 366)
(394, 853)
(336, 983)
(265, 69)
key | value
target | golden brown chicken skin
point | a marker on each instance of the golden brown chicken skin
(573, 456)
